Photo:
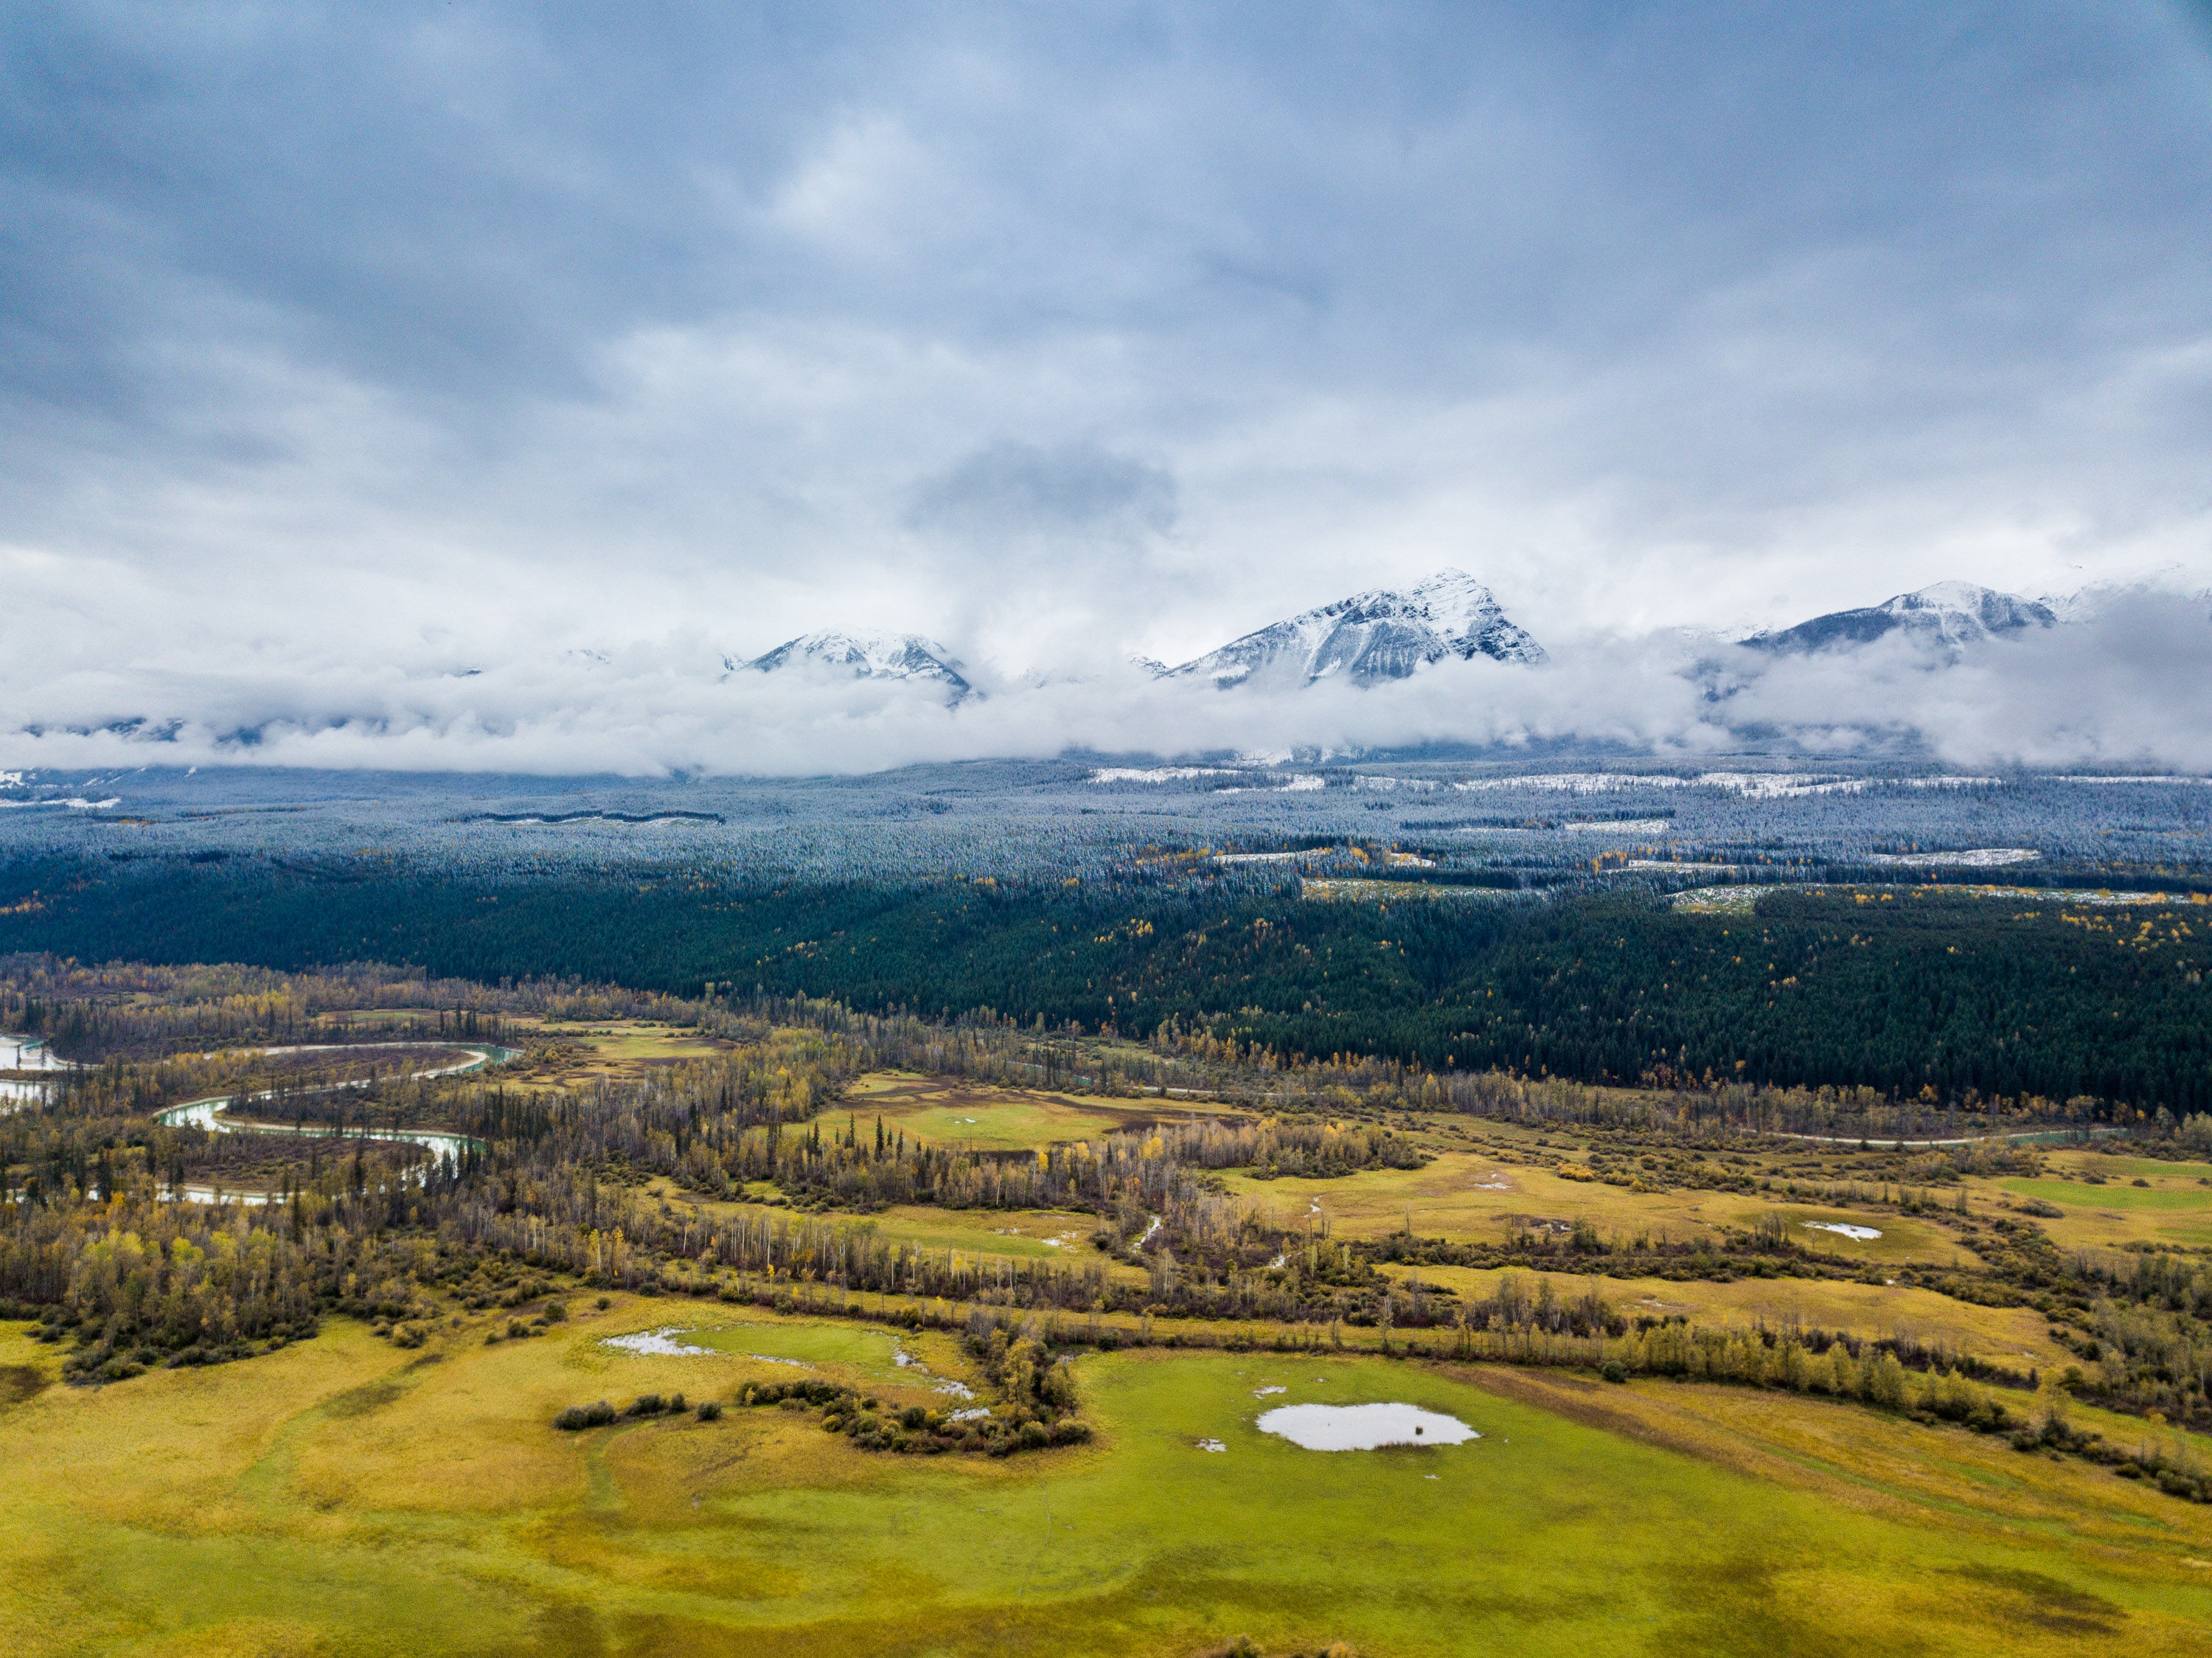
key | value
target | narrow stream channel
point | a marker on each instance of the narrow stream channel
(213, 1113)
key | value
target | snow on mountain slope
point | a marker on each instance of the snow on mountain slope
(864, 656)
(1951, 615)
(1372, 636)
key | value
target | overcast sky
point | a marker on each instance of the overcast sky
(346, 349)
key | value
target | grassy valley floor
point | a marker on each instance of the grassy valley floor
(343, 1498)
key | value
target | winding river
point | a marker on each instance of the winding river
(213, 1113)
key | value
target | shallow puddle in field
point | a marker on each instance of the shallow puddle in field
(1362, 1427)
(665, 1343)
(1863, 1233)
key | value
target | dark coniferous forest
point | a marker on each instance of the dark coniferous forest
(1915, 992)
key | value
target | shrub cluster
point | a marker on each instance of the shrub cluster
(919, 1430)
(2178, 1473)
(645, 1405)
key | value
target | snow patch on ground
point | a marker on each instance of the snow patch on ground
(1980, 857)
(1158, 773)
(1301, 785)
(1751, 785)
(2194, 782)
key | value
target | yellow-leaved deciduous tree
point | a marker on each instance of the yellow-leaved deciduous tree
(1883, 1382)
(1843, 1372)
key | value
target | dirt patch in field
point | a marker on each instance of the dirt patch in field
(2049, 1603)
(1652, 1420)
(20, 1383)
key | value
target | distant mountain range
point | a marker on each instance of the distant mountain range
(1393, 633)
(1950, 616)
(1386, 634)
(864, 656)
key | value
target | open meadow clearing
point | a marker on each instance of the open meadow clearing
(611, 1050)
(1473, 1195)
(949, 1110)
(341, 1497)
(1033, 1234)
(2114, 1202)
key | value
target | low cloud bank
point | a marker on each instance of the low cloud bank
(2130, 685)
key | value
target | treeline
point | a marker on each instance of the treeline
(139, 1281)
(539, 1188)
(2137, 1325)
(135, 1009)
(1925, 995)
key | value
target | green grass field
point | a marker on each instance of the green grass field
(345, 1498)
(861, 1352)
(2109, 1195)
(2171, 1208)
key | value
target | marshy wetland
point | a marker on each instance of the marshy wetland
(734, 1331)
(345, 1498)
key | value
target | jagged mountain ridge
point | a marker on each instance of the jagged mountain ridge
(1951, 616)
(1384, 634)
(836, 653)
(1388, 634)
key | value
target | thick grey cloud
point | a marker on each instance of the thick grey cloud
(342, 349)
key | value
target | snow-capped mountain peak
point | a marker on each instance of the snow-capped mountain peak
(1386, 634)
(835, 653)
(1949, 615)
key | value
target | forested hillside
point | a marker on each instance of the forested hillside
(1903, 991)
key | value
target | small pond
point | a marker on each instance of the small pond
(1862, 1233)
(1362, 1427)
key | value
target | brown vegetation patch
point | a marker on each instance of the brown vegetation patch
(2050, 1603)
(20, 1382)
